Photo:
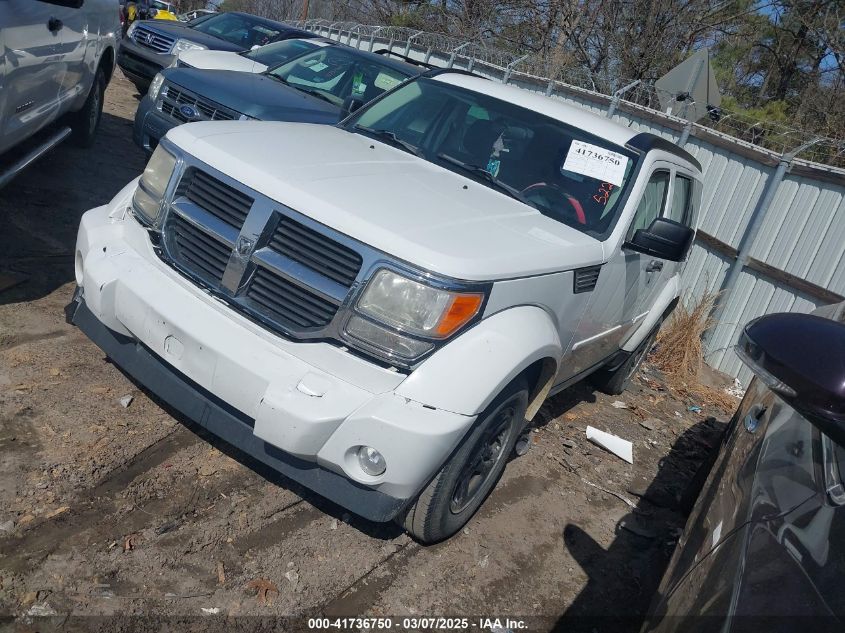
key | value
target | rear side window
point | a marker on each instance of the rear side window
(652, 201)
(679, 210)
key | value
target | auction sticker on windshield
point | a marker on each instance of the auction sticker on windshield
(595, 162)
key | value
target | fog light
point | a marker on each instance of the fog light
(372, 462)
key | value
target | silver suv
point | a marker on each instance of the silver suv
(59, 55)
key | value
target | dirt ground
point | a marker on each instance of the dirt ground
(130, 512)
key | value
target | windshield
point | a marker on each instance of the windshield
(568, 175)
(337, 73)
(279, 52)
(238, 29)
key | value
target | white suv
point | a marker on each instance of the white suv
(59, 55)
(375, 309)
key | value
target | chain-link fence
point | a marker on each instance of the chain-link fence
(487, 53)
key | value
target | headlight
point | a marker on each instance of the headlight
(405, 317)
(147, 201)
(416, 308)
(131, 28)
(186, 45)
(155, 86)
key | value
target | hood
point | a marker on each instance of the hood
(391, 200)
(221, 60)
(180, 30)
(254, 94)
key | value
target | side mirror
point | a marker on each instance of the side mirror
(664, 239)
(801, 357)
(349, 106)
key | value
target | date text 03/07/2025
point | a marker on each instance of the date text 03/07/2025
(416, 623)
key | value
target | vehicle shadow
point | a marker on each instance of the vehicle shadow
(623, 578)
(41, 208)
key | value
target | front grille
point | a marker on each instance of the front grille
(221, 200)
(152, 39)
(316, 251)
(197, 251)
(287, 273)
(173, 98)
(286, 303)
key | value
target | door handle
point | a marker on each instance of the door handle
(54, 24)
(654, 265)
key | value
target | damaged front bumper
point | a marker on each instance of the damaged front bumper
(304, 409)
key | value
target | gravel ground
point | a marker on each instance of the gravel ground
(129, 512)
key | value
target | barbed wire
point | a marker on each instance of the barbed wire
(483, 49)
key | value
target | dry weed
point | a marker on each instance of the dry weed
(679, 354)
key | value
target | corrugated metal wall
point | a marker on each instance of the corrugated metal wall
(804, 228)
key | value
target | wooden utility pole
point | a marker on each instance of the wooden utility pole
(304, 10)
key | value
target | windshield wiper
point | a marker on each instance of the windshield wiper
(314, 92)
(271, 75)
(479, 171)
(306, 89)
(391, 139)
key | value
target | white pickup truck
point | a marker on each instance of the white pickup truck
(376, 308)
(56, 57)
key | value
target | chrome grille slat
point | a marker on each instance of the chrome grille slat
(314, 250)
(285, 302)
(198, 250)
(152, 39)
(296, 272)
(217, 198)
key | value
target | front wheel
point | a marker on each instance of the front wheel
(84, 123)
(464, 482)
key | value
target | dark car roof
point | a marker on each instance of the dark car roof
(186, 30)
(287, 30)
(384, 60)
(259, 96)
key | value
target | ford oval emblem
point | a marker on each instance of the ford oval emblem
(189, 112)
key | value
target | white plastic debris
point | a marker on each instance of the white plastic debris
(41, 610)
(616, 445)
(210, 611)
(126, 400)
(293, 578)
(618, 405)
(736, 391)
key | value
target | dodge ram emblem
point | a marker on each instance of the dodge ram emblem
(244, 246)
(189, 112)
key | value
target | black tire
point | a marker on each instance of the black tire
(616, 381)
(85, 122)
(442, 508)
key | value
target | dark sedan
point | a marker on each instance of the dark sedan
(764, 548)
(320, 86)
(151, 45)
